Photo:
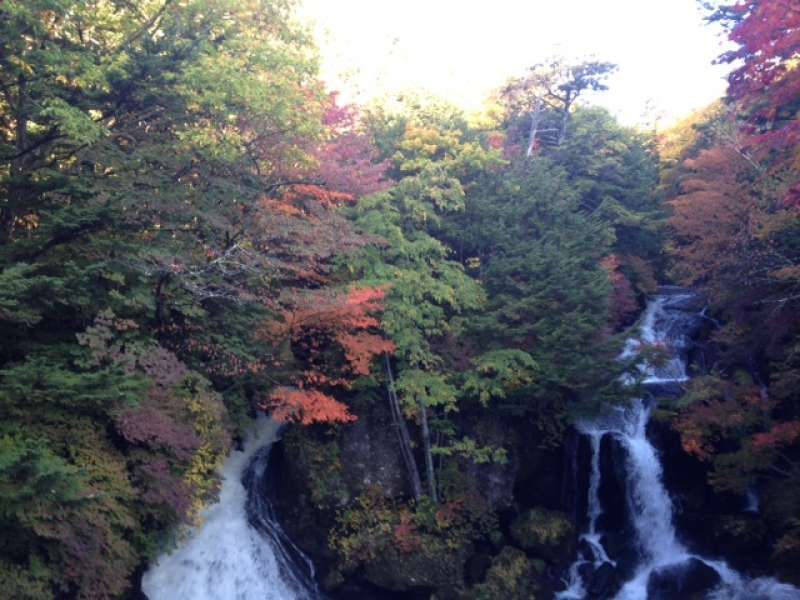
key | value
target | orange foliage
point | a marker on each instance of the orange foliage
(325, 197)
(306, 407)
(782, 434)
(716, 218)
(315, 324)
(703, 425)
(405, 533)
(278, 206)
(332, 312)
(361, 348)
(623, 298)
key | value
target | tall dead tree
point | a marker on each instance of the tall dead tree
(551, 88)
(403, 437)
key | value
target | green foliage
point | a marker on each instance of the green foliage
(468, 448)
(30, 474)
(498, 373)
(539, 259)
(429, 388)
(26, 582)
(155, 246)
(136, 142)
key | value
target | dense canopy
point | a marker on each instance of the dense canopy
(194, 229)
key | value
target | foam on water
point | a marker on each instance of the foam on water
(227, 558)
(649, 504)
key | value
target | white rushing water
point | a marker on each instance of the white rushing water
(239, 552)
(649, 505)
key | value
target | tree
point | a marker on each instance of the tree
(317, 326)
(614, 169)
(169, 176)
(735, 234)
(553, 85)
(539, 260)
(434, 165)
(767, 83)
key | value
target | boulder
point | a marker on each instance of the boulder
(620, 547)
(477, 566)
(689, 580)
(604, 582)
(370, 455)
(613, 485)
(585, 550)
(433, 565)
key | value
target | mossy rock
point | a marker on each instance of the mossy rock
(316, 462)
(332, 580)
(780, 507)
(512, 576)
(740, 532)
(433, 565)
(546, 534)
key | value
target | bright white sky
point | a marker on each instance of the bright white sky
(460, 50)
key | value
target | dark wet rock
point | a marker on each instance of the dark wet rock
(612, 491)
(293, 499)
(620, 547)
(585, 550)
(433, 566)
(666, 389)
(494, 481)
(477, 566)
(317, 474)
(604, 582)
(577, 472)
(540, 477)
(333, 579)
(370, 455)
(710, 523)
(355, 589)
(689, 580)
(743, 536)
(585, 570)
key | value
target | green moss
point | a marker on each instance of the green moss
(512, 576)
(317, 460)
(31, 582)
(545, 533)
(781, 507)
(434, 564)
(406, 546)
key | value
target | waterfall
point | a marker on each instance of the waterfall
(661, 558)
(239, 552)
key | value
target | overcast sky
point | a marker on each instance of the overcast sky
(462, 49)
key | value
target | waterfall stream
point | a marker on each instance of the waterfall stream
(663, 567)
(239, 552)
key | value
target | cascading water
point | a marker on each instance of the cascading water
(239, 552)
(663, 567)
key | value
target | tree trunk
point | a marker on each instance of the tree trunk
(536, 116)
(403, 436)
(426, 442)
(16, 184)
(562, 134)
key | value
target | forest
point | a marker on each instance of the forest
(195, 229)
